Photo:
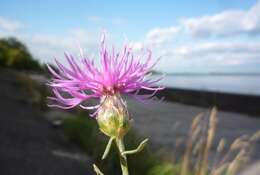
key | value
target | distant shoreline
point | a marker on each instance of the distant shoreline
(241, 103)
(215, 74)
(211, 74)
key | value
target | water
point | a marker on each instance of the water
(239, 84)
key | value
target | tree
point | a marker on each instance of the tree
(14, 54)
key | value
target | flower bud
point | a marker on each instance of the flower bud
(113, 118)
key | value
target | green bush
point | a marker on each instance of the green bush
(14, 54)
(165, 169)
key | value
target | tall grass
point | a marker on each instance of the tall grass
(198, 148)
(195, 159)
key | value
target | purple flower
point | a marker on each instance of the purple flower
(119, 73)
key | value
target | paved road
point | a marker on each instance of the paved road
(164, 122)
(29, 144)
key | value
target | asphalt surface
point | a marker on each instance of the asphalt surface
(29, 144)
(167, 122)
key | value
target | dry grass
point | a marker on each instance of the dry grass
(199, 145)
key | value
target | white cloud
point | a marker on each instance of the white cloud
(9, 25)
(205, 55)
(46, 47)
(161, 35)
(237, 47)
(156, 38)
(208, 55)
(230, 22)
(180, 50)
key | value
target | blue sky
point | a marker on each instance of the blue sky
(206, 36)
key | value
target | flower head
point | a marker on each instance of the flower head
(113, 118)
(119, 73)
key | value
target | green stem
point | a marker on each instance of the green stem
(138, 149)
(97, 170)
(123, 158)
(108, 148)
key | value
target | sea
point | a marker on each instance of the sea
(236, 84)
(248, 84)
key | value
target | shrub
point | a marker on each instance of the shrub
(14, 54)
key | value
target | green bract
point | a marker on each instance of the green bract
(113, 118)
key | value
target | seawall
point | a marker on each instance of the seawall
(248, 104)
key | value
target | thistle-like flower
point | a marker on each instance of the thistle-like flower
(120, 73)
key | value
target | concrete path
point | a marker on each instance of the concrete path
(165, 122)
(29, 144)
